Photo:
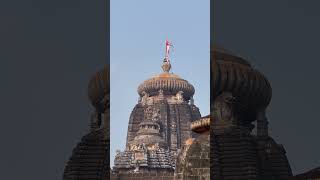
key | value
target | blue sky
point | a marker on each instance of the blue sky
(138, 32)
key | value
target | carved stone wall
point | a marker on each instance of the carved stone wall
(161, 121)
(144, 176)
(193, 161)
(175, 122)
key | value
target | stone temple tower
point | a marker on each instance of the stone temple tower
(90, 158)
(159, 124)
(240, 96)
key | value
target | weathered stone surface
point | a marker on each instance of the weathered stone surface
(193, 161)
(158, 126)
(240, 96)
(90, 158)
(143, 176)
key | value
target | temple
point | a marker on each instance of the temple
(168, 139)
(159, 125)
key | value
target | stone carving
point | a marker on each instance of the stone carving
(150, 101)
(144, 98)
(179, 96)
(223, 108)
(137, 147)
(156, 115)
(95, 121)
(160, 92)
(153, 147)
(136, 170)
(161, 95)
(133, 147)
(148, 113)
(152, 114)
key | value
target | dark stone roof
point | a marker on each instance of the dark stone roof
(222, 54)
(201, 125)
(193, 161)
(98, 87)
(90, 159)
(240, 95)
(235, 155)
(233, 74)
(169, 83)
(156, 159)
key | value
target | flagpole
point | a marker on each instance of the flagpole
(168, 45)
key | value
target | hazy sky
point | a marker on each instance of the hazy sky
(138, 32)
(281, 39)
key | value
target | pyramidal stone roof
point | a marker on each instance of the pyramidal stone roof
(89, 159)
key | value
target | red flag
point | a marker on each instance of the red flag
(168, 45)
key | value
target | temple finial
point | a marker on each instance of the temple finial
(166, 66)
